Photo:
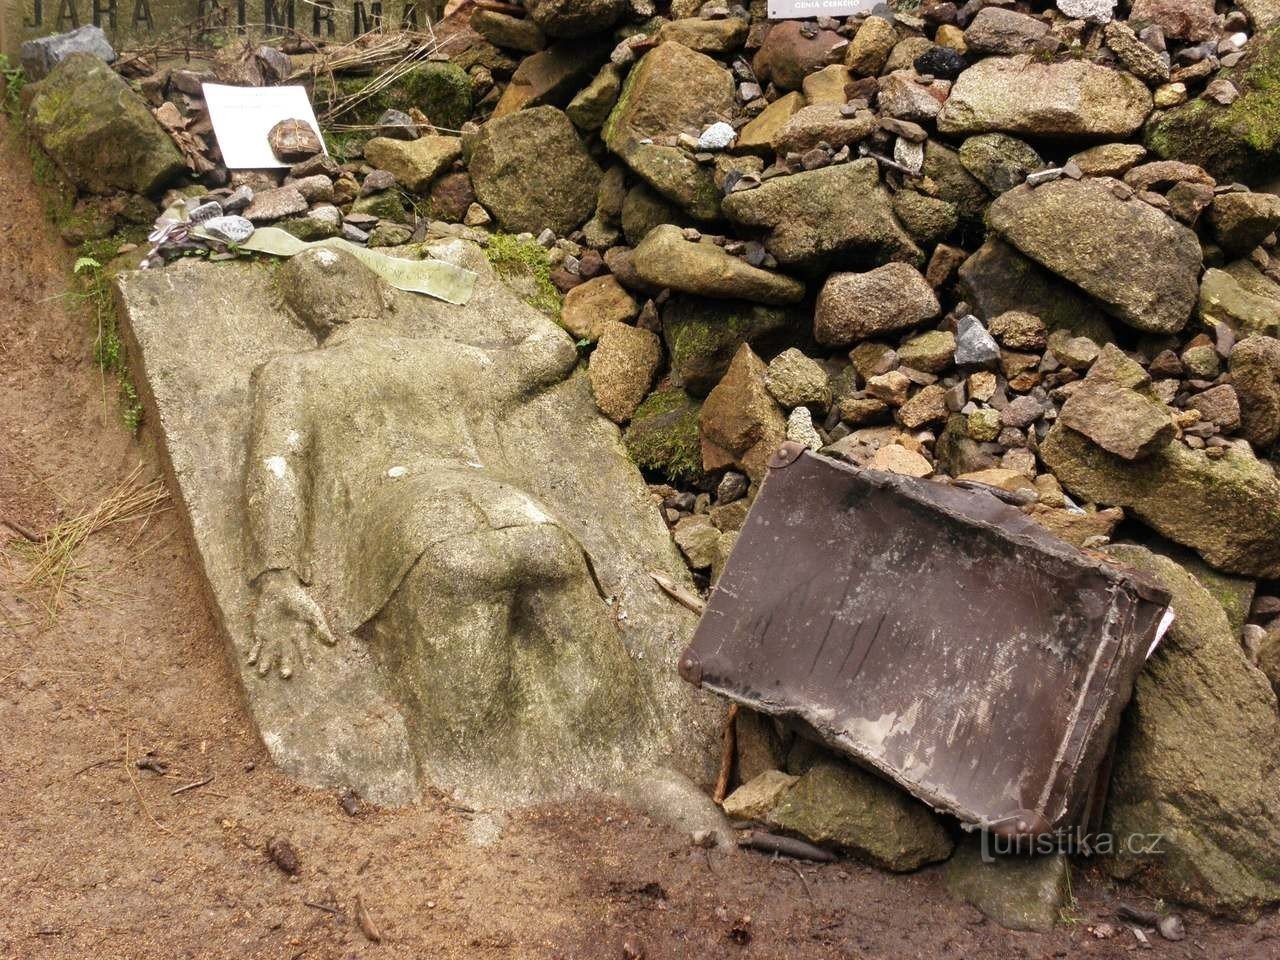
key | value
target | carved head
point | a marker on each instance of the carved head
(326, 287)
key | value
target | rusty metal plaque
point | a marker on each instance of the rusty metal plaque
(932, 633)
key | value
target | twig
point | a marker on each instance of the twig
(21, 531)
(726, 755)
(365, 920)
(681, 595)
(787, 846)
(192, 786)
(803, 880)
(322, 906)
(136, 789)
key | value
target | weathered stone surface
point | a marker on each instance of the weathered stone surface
(97, 130)
(954, 183)
(552, 76)
(572, 19)
(870, 47)
(702, 335)
(1196, 759)
(1241, 221)
(414, 163)
(42, 54)
(590, 107)
(827, 85)
(1053, 100)
(927, 220)
(706, 36)
(1113, 410)
(740, 423)
(1182, 19)
(477, 395)
(1017, 892)
(622, 367)
(515, 33)
(1138, 58)
(1228, 509)
(790, 53)
(758, 135)
(996, 30)
(663, 435)
(1242, 298)
(825, 218)
(858, 306)
(1000, 162)
(755, 798)
(666, 259)
(822, 123)
(592, 305)
(273, 204)
(557, 193)
(931, 352)
(838, 804)
(672, 90)
(797, 381)
(1240, 141)
(1071, 227)
(1255, 374)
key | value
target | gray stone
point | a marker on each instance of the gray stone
(800, 429)
(796, 380)
(1195, 761)
(975, 347)
(1000, 162)
(42, 54)
(558, 192)
(439, 672)
(820, 219)
(275, 204)
(1095, 11)
(1017, 892)
(1143, 62)
(859, 306)
(231, 229)
(1149, 280)
(1021, 95)
(997, 30)
(1255, 374)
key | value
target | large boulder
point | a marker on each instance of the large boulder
(1196, 761)
(846, 807)
(571, 19)
(1227, 509)
(1240, 141)
(421, 423)
(666, 259)
(1074, 98)
(558, 191)
(98, 131)
(672, 90)
(826, 218)
(1141, 265)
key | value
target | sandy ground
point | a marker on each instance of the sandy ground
(101, 858)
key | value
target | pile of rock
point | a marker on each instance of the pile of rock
(1024, 245)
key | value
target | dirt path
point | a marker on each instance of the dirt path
(101, 858)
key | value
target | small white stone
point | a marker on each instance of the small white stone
(910, 155)
(718, 136)
(800, 429)
(1095, 11)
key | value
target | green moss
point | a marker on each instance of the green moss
(524, 260)
(12, 79)
(440, 90)
(663, 435)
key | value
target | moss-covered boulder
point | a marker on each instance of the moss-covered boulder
(662, 437)
(1228, 509)
(1017, 892)
(439, 89)
(98, 131)
(844, 806)
(702, 335)
(1236, 142)
(1197, 761)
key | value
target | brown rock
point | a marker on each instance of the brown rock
(788, 55)
(927, 406)
(740, 424)
(894, 458)
(1255, 374)
(593, 305)
(293, 140)
(622, 367)
(857, 306)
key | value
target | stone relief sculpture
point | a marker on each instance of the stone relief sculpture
(430, 554)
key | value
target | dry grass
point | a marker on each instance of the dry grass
(54, 570)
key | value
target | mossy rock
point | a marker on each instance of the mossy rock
(663, 435)
(440, 90)
(525, 266)
(1236, 142)
(702, 335)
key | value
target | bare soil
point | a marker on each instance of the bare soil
(102, 858)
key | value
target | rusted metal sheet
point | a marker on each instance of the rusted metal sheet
(933, 633)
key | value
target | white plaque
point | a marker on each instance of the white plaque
(809, 9)
(243, 116)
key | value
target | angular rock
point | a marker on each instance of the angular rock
(1071, 227)
(822, 123)
(996, 30)
(101, 135)
(758, 134)
(1196, 759)
(1241, 221)
(557, 193)
(514, 33)
(825, 218)
(571, 19)
(590, 108)
(1179, 19)
(1017, 892)
(703, 335)
(757, 796)
(1143, 62)
(1219, 405)
(790, 53)
(1020, 95)
(1255, 374)
(414, 163)
(1111, 408)
(931, 352)
(42, 54)
(275, 204)
(998, 161)
(871, 46)
(740, 424)
(843, 806)
(1228, 509)
(858, 306)
(592, 305)
(954, 183)
(795, 380)
(706, 36)
(622, 368)
(552, 76)
(666, 259)
(893, 458)
(1241, 298)
(1239, 141)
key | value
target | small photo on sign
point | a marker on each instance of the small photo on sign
(805, 9)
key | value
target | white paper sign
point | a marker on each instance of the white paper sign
(808, 9)
(243, 116)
